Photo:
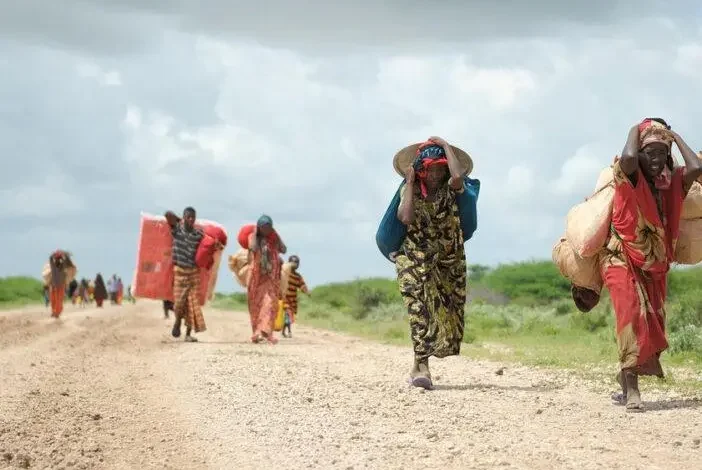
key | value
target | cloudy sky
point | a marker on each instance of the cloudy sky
(109, 108)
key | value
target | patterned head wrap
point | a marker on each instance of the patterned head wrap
(428, 154)
(264, 220)
(651, 131)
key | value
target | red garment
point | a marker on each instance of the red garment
(636, 264)
(263, 291)
(245, 235)
(204, 257)
(56, 295)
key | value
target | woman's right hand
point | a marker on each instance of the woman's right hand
(409, 175)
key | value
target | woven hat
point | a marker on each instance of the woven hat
(406, 157)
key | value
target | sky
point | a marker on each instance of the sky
(295, 109)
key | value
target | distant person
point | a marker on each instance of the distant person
(431, 265)
(83, 292)
(186, 274)
(112, 289)
(59, 264)
(73, 291)
(119, 291)
(167, 306)
(45, 291)
(130, 294)
(263, 288)
(100, 292)
(649, 193)
(295, 283)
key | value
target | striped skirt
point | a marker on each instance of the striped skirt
(186, 289)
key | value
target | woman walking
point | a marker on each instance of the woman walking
(648, 199)
(431, 265)
(61, 273)
(263, 288)
(100, 292)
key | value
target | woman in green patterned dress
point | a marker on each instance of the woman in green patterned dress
(431, 265)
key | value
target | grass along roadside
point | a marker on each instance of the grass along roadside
(20, 291)
(546, 332)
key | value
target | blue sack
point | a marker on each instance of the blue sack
(468, 207)
(391, 232)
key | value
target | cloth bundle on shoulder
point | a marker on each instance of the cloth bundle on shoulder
(245, 233)
(588, 223)
(70, 273)
(153, 278)
(205, 255)
(239, 266)
(581, 272)
(391, 232)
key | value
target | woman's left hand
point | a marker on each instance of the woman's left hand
(438, 141)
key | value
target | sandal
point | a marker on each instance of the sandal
(190, 339)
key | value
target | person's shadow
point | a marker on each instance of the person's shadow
(667, 405)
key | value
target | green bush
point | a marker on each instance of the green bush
(687, 339)
(687, 310)
(592, 321)
(529, 283)
(20, 290)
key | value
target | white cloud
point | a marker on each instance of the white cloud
(49, 198)
(105, 78)
(688, 60)
(579, 174)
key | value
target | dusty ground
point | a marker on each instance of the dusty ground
(111, 389)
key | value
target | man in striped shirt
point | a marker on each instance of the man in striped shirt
(295, 283)
(186, 274)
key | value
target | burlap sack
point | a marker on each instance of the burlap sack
(239, 265)
(581, 272)
(46, 274)
(284, 277)
(688, 249)
(587, 224)
(71, 273)
(214, 271)
(692, 205)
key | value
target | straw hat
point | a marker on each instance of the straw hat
(406, 157)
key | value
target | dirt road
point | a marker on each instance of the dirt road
(111, 389)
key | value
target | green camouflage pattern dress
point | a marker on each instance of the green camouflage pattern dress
(431, 271)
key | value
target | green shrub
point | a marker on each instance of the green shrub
(20, 289)
(687, 310)
(591, 321)
(687, 339)
(529, 283)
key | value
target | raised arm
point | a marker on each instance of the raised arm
(254, 242)
(171, 218)
(693, 165)
(629, 161)
(457, 173)
(406, 210)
